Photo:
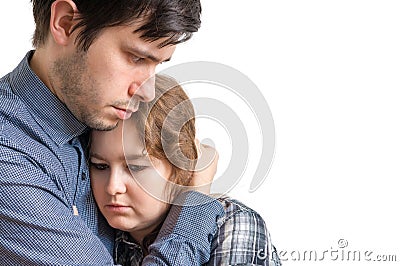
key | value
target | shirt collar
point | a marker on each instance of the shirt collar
(125, 237)
(126, 250)
(48, 111)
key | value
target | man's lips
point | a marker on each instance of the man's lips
(123, 113)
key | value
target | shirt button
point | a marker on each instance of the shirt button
(83, 176)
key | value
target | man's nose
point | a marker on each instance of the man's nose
(146, 91)
(143, 85)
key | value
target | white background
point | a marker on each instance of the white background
(329, 71)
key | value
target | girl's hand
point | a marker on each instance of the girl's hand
(206, 167)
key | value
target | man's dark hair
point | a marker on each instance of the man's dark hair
(175, 20)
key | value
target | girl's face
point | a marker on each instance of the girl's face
(119, 180)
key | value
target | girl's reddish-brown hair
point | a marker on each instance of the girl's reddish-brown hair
(167, 127)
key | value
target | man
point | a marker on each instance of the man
(91, 58)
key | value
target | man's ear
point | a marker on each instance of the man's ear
(62, 20)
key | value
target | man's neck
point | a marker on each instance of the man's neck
(40, 65)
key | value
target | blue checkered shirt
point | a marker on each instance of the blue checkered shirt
(43, 174)
(242, 238)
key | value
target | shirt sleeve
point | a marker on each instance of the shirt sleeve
(185, 237)
(37, 224)
(243, 239)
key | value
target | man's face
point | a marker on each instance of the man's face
(105, 84)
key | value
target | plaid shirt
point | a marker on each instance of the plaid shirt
(241, 239)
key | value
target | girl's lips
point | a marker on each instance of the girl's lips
(117, 208)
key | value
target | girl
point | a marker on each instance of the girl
(138, 168)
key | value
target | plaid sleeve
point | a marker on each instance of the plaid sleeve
(185, 237)
(242, 238)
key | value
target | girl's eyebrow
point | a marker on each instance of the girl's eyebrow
(122, 157)
(133, 156)
(97, 156)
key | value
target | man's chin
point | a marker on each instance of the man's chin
(103, 126)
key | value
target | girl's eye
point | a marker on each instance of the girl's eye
(99, 166)
(136, 168)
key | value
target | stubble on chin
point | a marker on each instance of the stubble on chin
(101, 126)
(78, 91)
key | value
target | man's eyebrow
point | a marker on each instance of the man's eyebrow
(138, 52)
